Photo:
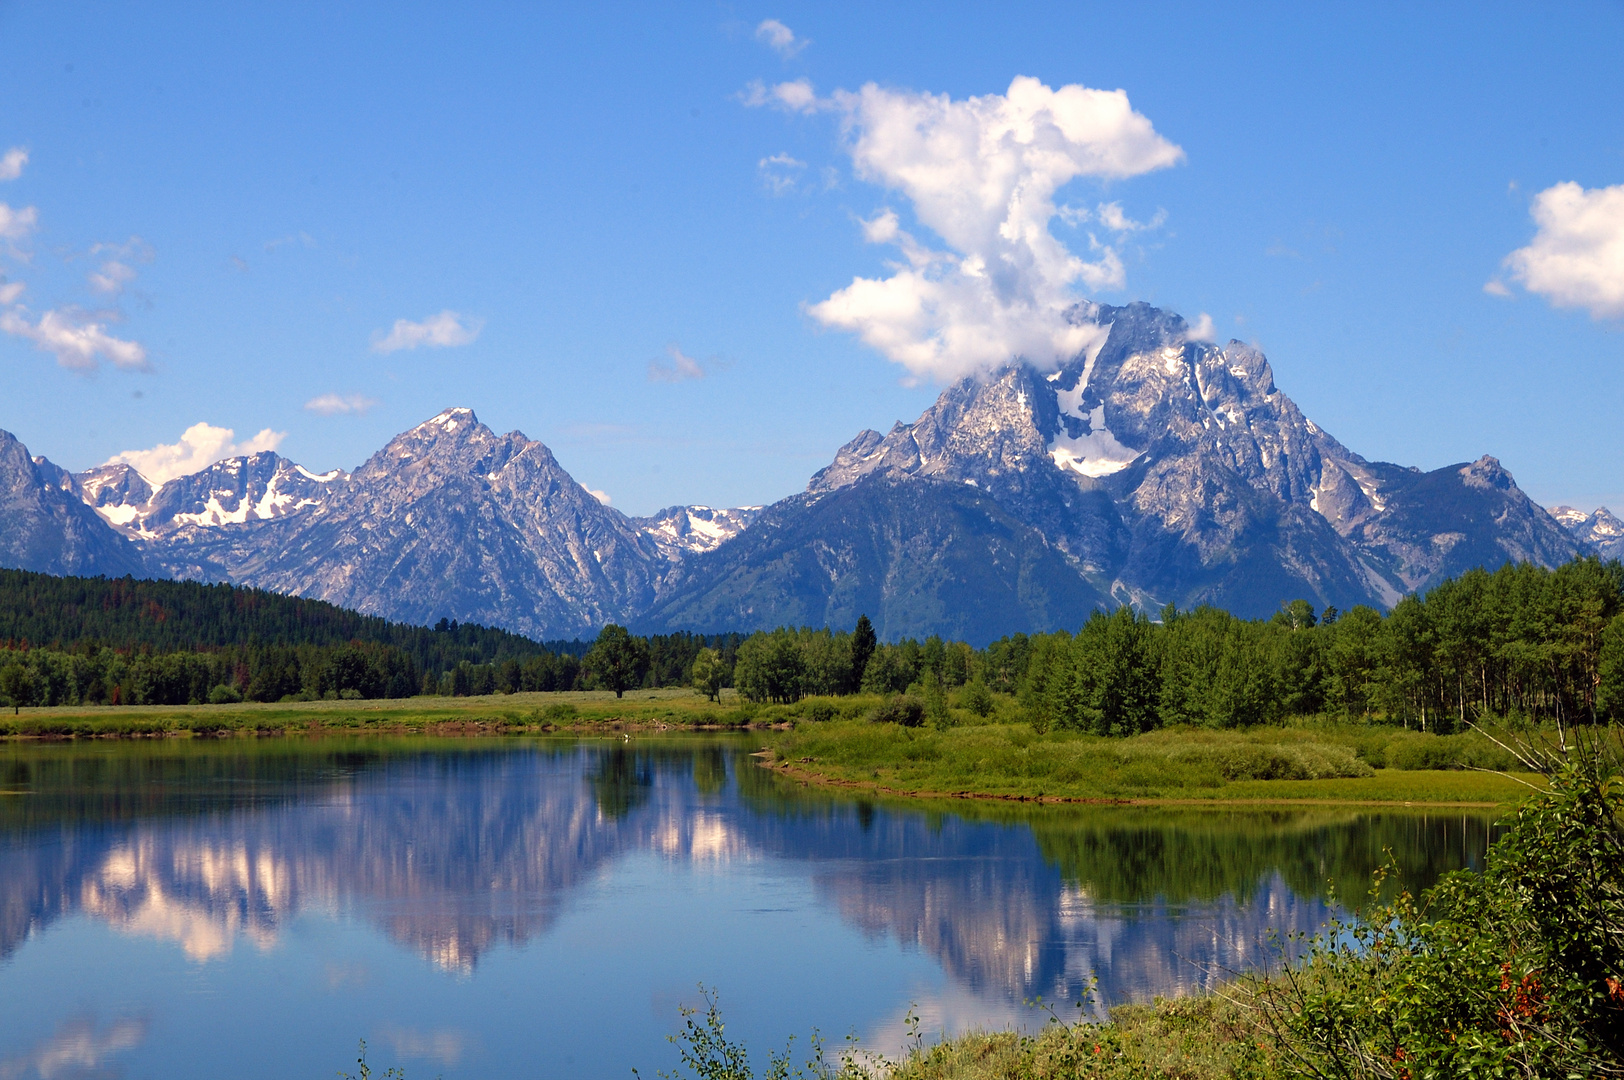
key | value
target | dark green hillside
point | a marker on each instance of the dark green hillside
(928, 557)
(77, 613)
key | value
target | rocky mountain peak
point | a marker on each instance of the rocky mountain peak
(1487, 472)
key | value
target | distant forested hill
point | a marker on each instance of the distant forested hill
(175, 616)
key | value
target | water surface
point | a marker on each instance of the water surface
(540, 908)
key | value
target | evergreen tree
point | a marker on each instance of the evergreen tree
(863, 642)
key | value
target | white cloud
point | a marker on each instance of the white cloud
(679, 368)
(780, 38)
(200, 446)
(11, 164)
(601, 496)
(780, 173)
(10, 290)
(1202, 330)
(76, 338)
(437, 331)
(1576, 259)
(793, 97)
(111, 278)
(1495, 287)
(17, 224)
(982, 174)
(338, 404)
(1112, 217)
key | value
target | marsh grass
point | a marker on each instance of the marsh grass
(514, 713)
(1321, 761)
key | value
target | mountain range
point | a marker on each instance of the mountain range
(1152, 468)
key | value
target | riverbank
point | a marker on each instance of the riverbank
(832, 742)
(494, 714)
(1321, 763)
(1201, 1037)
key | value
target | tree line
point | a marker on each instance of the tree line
(1521, 640)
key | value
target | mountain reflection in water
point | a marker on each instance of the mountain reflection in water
(456, 849)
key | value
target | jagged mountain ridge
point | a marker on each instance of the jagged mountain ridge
(1151, 468)
(259, 487)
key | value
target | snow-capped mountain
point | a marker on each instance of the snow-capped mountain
(1162, 469)
(1150, 469)
(1601, 531)
(261, 487)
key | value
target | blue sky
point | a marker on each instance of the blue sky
(578, 224)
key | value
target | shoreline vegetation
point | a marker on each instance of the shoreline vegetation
(857, 744)
(853, 745)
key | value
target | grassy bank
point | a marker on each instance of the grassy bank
(836, 741)
(1193, 1038)
(1008, 759)
(494, 714)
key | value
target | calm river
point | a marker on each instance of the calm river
(540, 908)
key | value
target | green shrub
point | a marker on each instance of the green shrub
(976, 698)
(820, 711)
(904, 709)
(1517, 970)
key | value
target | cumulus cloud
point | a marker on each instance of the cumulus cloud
(796, 96)
(12, 162)
(780, 38)
(1576, 259)
(9, 290)
(601, 496)
(678, 368)
(982, 174)
(17, 224)
(200, 446)
(340, 404)
(437, 331)
(76, 338)
(1202, 330)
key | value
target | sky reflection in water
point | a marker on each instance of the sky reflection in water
(542, 908)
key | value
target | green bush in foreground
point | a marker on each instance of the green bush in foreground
(1517, 970)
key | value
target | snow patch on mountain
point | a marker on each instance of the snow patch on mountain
(679, 531)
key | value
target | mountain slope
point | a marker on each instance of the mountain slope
(919, 558)
(45, 526)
